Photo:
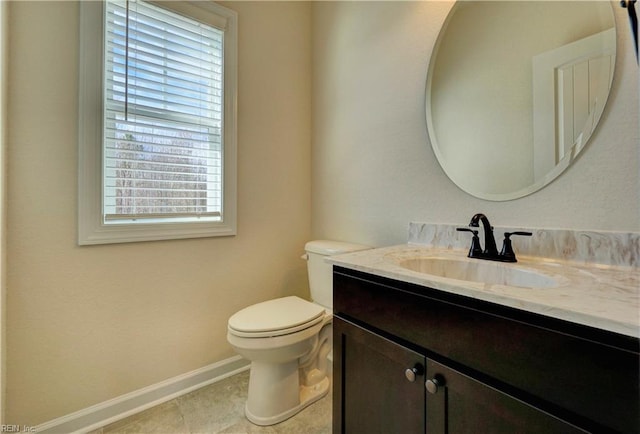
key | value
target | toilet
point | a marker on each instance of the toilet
(288, 341)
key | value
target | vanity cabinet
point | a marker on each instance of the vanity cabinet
(476, 366)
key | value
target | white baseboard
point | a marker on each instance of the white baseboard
(110, 411)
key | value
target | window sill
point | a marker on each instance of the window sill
(137, 232)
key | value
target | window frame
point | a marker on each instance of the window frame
(92, 228)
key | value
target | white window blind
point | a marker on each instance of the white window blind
(163, 115)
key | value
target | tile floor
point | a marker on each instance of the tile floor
(219, 408)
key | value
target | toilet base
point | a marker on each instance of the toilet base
(308, 395)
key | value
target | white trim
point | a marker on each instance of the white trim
(91, 227)
(110, 411)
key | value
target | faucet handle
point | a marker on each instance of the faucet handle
(527, 234)
(475, 249)
(507, 254)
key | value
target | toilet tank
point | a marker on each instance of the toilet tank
(320, 273)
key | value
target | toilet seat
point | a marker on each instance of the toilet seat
(276, 317)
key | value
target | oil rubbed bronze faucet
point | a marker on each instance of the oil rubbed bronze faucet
(490, 251)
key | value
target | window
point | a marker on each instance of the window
(157, 121)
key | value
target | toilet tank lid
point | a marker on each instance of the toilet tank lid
(328, 248)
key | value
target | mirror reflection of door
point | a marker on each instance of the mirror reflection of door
(570, 87)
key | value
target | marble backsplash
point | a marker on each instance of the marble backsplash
(606, 248)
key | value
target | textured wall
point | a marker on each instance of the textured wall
(373, 168)
(4, 32)
(86, 324)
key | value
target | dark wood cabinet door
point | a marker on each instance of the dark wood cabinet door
(458, 404)
(373, 392)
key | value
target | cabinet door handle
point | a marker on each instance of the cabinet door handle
(433, 384)
(412, 373)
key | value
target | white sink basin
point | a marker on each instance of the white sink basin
(482, 271)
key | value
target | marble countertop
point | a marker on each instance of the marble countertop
(602, 296)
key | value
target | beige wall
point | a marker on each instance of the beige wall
(86, 324)
(3, 220)
(373, 169)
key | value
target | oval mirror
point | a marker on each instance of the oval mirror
(515, 89)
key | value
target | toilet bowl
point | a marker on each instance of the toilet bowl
(279, 385)
(288, 341)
